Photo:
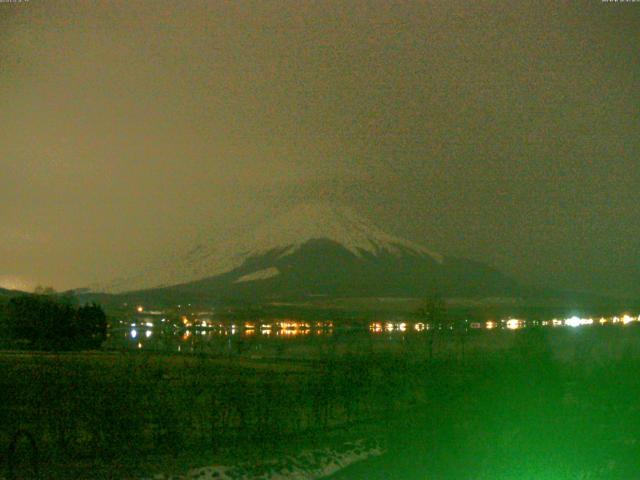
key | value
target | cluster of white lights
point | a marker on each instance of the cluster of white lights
(134, 333)
(577, 321)
(574, 321)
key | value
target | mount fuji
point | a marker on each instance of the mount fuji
(314, 250)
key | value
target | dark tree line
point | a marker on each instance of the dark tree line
(51, 322)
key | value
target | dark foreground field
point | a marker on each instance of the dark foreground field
(553, 404)
(534, 412)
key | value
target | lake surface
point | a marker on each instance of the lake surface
(289, 337)
(272, 338)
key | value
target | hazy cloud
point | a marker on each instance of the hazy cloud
(499, 131)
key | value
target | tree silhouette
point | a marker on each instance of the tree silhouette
(52, 322)
(90, 326)
(434, 314)
(41, 290)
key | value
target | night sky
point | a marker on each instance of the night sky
(507, 132)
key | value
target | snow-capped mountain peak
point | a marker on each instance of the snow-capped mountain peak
(326, 221)
(284, 234)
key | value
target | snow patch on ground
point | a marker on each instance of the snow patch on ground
(307, 465)
(259, 275)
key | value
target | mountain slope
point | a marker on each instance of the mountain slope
(323, 268)
(315, 250)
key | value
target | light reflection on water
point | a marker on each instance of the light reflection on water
(259, 333)
(259, 337)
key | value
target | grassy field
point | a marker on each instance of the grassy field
(138, 412)
(503, 406)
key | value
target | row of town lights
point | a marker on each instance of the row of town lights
(376, 327)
